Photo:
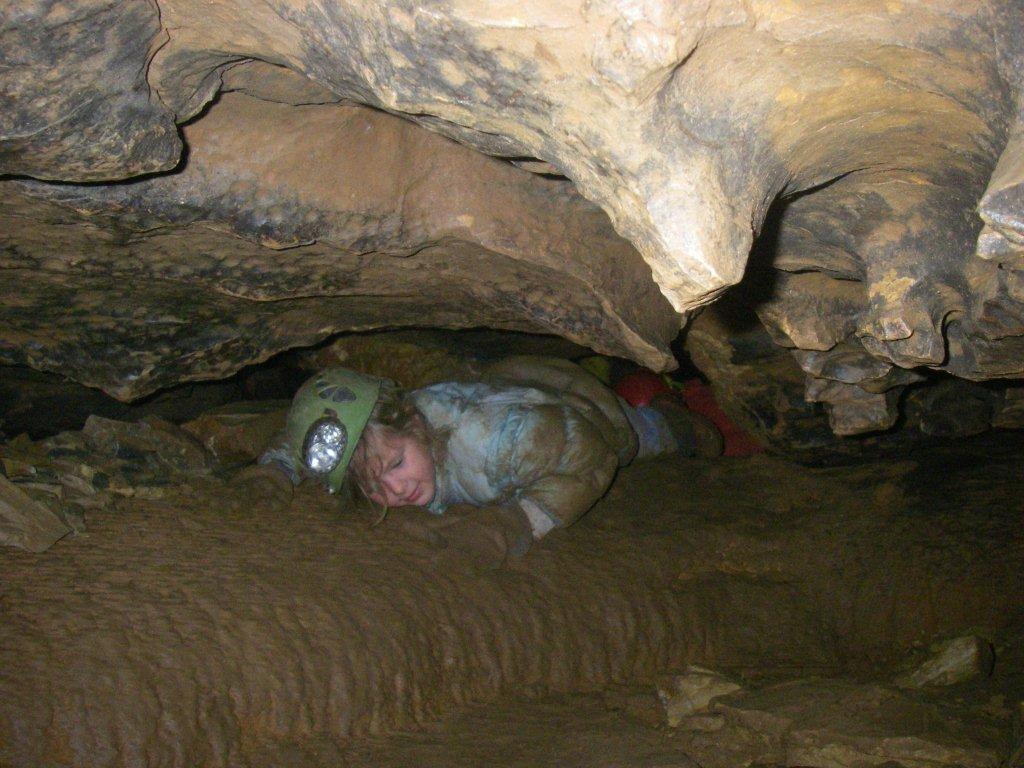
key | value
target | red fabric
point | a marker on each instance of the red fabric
(639, 388)
(699, 399)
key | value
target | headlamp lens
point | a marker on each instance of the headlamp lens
(325, 445)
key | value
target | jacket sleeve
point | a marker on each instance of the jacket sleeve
(554, 463)
(280, 455)
(577, 388)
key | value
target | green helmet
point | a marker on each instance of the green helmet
(327, 419)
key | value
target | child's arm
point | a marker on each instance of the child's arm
(560, 465)
(280, 457)
(263, 482)
(270, 480)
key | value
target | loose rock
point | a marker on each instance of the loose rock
(26, 523)
(691, 692)
(240, 432)
(835, 722)
(954, 661)
(152, 441)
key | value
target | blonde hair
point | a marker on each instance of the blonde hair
(393, 415)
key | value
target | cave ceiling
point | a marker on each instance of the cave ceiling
(192, 186)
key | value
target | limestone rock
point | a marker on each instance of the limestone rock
(869, 151)
(553, 78)
(851, 410)
(954, 407)
(25, 523)
(77, 104)
(691, 692)
(154, 442)
(239, 433)
(838, 722)
(954, 661)
(71, 472)
(292, 223)
(758, 384)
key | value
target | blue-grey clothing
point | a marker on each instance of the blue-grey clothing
(654, 434)
(538, 433)
(484, 420)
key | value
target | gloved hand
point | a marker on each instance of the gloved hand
(260, 484)
(410, 522)
(482, 538)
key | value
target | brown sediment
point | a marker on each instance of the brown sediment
(176, 632)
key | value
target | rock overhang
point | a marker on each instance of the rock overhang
(882, 125)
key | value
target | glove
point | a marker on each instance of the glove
(484, 538)
(260, 484)
(481, 538)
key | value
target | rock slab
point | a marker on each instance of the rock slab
(25, 523)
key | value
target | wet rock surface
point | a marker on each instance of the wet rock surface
(763, 387)
(951, 662)
(841, 722)
(182, 628)
(25, 522)
(819, 722)
(857, 164)
(291, 223)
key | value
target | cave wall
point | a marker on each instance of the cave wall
(870, 150)
(290, 223)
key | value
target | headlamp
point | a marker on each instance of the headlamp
(324, 445)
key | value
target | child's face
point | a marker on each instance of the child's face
(404, 471)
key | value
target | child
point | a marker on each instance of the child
(536, 442)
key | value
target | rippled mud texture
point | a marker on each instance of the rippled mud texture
(182, 630)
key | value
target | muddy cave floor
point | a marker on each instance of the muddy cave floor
(184, 628)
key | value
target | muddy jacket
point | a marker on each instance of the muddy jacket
(539, 433)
